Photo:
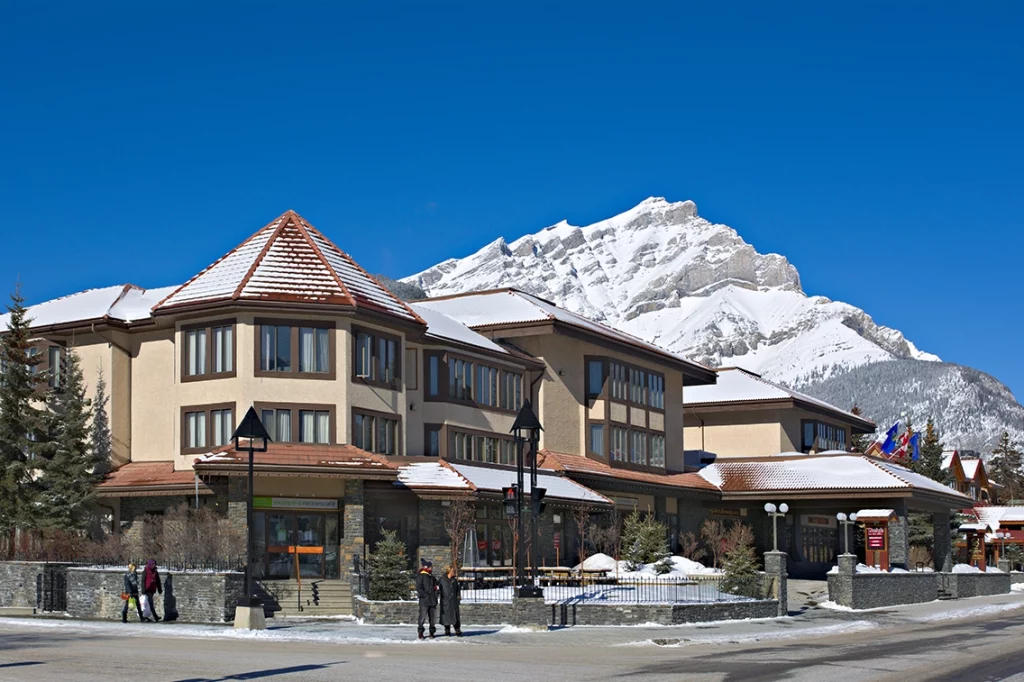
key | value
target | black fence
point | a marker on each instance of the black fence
(174, 563)
(52, 591)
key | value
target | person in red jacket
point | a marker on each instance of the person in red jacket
(151, 585)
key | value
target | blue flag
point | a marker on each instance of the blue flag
(890, 439)
(914, 449)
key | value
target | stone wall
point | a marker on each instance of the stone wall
(188, 597)
(529, 612)
(19, 581)
(1016, 577)
(962, 585)
(873, 590)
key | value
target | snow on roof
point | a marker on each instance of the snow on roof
(875, 513)
(288, 260)
(994, 515)
(947, 458)
(442, 326)
(736, 384)
(431, 475)
(970, 467)
(124, 302)
(838, 472)
(492, 479)
(511, 306)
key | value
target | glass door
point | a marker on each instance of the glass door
(279, 540)
(309, 545)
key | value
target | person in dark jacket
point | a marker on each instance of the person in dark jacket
(151, 585)
(450, 599)
(131, 588)
(426, 593)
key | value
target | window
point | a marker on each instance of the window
(511, 390)
(597, 439)
(619, 444)
(480, 447)
(637, 386)
(206, 426)
(461, 446)
(275, 348)
(638, 447)
(507, 452)
(222, 425)
(195, 347)
(375, 433)
(432, 440)
(377, 358)
(486, 449)
(434, 376)
(315, 426)
(460, 379)
(486, 385)
(295, 348)
(657, 451)
(314, 350)
(595, 377)
(618, 376)
(278, 423)
(821, 436)
(56, 371)
(223, 349)
(656, 391)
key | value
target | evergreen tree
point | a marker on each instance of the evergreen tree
(740, 562)
(99, 438)
(1005, 468)
(859, 442)
(389, 579)
(644, 541)
(930, 462)
(67, 483)
(19, 418)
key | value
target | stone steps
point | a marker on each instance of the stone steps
(334, 597)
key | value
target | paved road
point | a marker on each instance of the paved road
(835, 647)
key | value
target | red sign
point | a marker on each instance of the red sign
(558, 540)
(876, 538)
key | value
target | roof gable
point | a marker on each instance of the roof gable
(288, 260)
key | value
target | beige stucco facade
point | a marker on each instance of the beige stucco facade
(753, 432)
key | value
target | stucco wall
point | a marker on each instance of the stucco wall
(756, 433)
(792, 438)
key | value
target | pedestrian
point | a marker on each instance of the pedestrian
(151, 585)
(451, 597)
(426, 593)
(131, 593)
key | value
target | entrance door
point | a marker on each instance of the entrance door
(295, 538)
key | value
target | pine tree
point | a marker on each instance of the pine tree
(99, 438)
(67, 484)
(19, 418)
(389, 579)
(740, 562)
(1005, 468)
(644, 541)
(859, 442)
(930, 462)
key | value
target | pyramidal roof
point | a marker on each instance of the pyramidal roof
(288, 261)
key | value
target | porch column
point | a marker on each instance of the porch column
(351, 549)
(775, 567)
(943, 548)
(237, 496)
(899, 538)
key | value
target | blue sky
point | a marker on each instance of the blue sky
(879, 148)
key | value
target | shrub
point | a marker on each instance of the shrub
(689, 547)
(644, 541)
(389, 579)
(740, 562)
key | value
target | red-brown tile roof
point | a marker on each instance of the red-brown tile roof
(145, 474)
(288, 260)
(339, 458)
(560, 461)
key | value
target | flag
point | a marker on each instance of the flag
(914, 448)
(889, 444)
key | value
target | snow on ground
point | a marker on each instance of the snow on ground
(818, 631)
(1017, 587)
(989, 610)
(967, 568)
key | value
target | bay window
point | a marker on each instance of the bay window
(460, 379)
(295, 348)
(294, 423)
(204, 427)
(375, 432)
(487, 385)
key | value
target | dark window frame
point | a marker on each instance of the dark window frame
(208, 327)
(375, 414)
(443, 394)
(206, 410)
(817, 424)
(375, 336)
(295, 423)
(295, 324)
(630, 370)
(439, 430)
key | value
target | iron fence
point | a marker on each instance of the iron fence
(52, 591)
(166, 563)
(703, 589)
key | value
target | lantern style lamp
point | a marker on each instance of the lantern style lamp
(526, 428)
(252, 437)
(776, 513)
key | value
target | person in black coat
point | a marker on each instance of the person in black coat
(131, 588)
(450, 599)
(426, 593)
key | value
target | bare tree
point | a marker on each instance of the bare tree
(714, 533)
(458, 517)
(581, 517)
(689, 547)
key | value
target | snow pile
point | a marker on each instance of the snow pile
(864, 568)
(680, 566)
(967, 568)
(1017, 587)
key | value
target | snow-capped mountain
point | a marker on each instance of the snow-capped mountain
(662, 272)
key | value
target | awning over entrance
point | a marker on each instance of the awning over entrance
(337, 461)
(148, 479)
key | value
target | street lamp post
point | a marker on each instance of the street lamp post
(249, 611)
(847, 521)
(776, 513)
(527, 428)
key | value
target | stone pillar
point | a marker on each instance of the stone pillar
(942, 555)
(530, 612)
(847, 564)
(1004, 565)
(434, 544)
(899, 539)
(352, 540)
(775, 566)
(237, 498)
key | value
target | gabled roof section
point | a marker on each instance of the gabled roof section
(509, 307)
(290, 261)
(737, 386)
(125, 303)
